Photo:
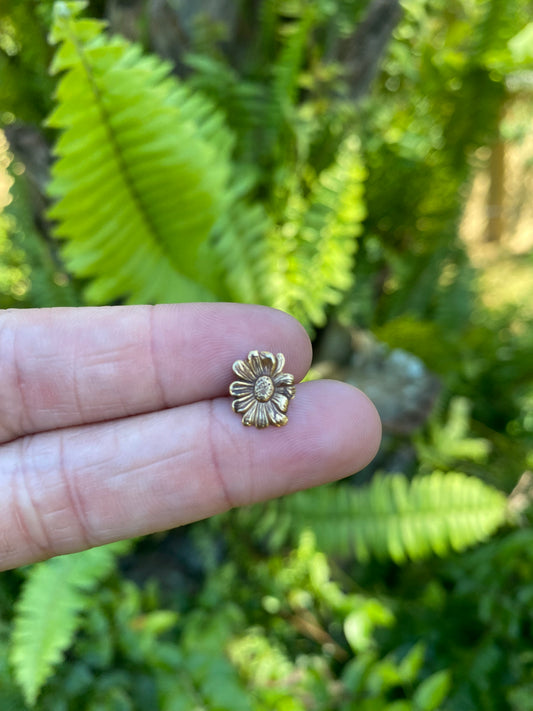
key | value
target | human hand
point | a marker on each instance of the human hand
(116, 422)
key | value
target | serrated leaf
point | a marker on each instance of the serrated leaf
(394, 518)
(317, 241)
(48, 611)
(142, 170)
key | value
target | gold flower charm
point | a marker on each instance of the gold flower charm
(263, 392)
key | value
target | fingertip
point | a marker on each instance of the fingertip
(333, 431)
(363, 428)
(254, 327)
(340, 425)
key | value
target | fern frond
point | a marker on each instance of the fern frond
(294, 37)
(242, 101)
(267, 17)
(142, 169)
(312, 253)
(48, 610)
(391, 517)
(279, 119)
(449, 441)
(239, 241)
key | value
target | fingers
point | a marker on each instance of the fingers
(85, 486)
(64, 367)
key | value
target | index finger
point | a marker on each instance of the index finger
(71, 366)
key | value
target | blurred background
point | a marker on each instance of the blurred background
(367, 166)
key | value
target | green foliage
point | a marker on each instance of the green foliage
(33, 276)
(257, 178)
(295, 630)
(48, 613)
(26, 88)
(238, 240)
(419, 135)
(316, 242)
(134, 169)
(489, 363)
(345, 626)
(151, 203)
(291, 638)
(309, 173)
(432, 692)
(390, 517)
(472, 612)
(448, 443)
(13, 270)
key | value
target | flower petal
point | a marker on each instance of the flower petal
(280, 362)
(255, 363)
(259, 364)
(249, 416)
(243, 404)
(240, 389)
(276, 417)
(280, 401)
(287, 390)
(261, 419)
(283, 379)
(243, 370)
(269, 363)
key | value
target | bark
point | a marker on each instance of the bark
(363, 52)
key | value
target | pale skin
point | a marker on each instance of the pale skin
(116, 422)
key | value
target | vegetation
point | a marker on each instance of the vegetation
(258, 162)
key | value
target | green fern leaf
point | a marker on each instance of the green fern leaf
(294, 36)
(142, 169)
(294, 28)
(449, 442)
(312, 252)
(48, 611)
(392, 517)
(239, 241)
(243, 102)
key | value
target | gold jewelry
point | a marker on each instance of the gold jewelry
(262, 392)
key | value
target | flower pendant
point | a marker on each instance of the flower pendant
(262, 392)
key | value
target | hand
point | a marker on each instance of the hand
(116, 422)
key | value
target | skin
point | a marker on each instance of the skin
(116, 422)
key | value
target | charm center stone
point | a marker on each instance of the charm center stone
(264, 388)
